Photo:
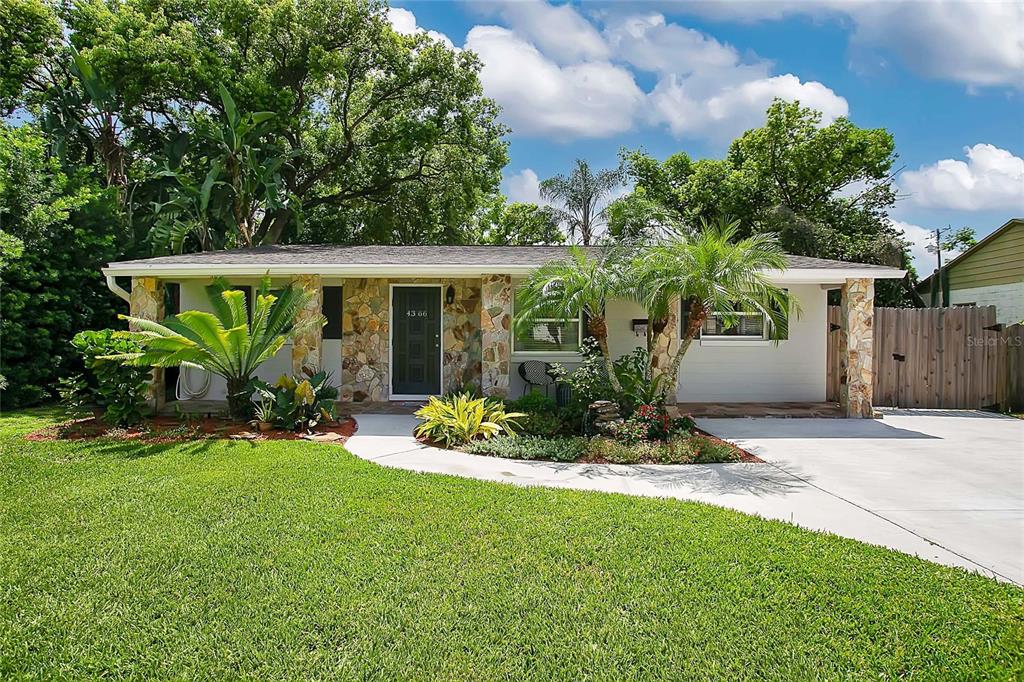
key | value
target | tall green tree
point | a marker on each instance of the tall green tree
(368, 118)
(29, 36)
(516, 224)
(824, 189)
(578, 197)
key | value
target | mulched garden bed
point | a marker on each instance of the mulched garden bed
(173, 430)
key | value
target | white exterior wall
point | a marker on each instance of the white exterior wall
(1007, 298)
(193, 297)
(718, 371)
(742, 370)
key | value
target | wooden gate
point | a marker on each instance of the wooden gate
(939, 357)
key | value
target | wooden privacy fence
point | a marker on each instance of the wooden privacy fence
(940, 357)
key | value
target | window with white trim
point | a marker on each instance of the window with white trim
(747, 326)
(548, 335)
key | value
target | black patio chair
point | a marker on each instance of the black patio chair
(536, 373)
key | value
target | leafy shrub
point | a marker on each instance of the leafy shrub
(530, 447)
(618, 452)
(299, 403)
(589, 381)
(458, 419)
(68, 226)
(119, 390)
(533, 402)
(638, 386)
(707, 451)
(541, 414)
(545, 424)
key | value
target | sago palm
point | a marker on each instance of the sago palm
(712, 273)
(566, 288)
(224, 342)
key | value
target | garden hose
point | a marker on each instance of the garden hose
(184, 386)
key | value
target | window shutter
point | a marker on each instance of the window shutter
(331, 309)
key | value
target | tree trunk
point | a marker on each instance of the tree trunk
(696, 320)
(281, 218)
(915, 296)
(239, 404)
(599, 330)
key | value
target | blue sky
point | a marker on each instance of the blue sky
(584, 79)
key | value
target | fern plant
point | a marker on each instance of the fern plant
(459, 418)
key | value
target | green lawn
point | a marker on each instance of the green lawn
(293, 559)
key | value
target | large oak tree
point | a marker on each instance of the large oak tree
(366, 117)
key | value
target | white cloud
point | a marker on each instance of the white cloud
(538, 96)
(705, 87)
(404, 22)
(649, 43)
(703, 106)
(523, 186)
(990, 179)
(978, 43)
(755, 96)
(919, 238)
(559, 31)
(556, 75)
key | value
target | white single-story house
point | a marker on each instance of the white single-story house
(405, 322)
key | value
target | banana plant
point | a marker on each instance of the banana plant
(241, 168)
(251, 167)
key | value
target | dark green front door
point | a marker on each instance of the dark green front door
(416, 341)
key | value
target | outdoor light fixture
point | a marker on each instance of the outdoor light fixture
(449, 295)
(640, 327)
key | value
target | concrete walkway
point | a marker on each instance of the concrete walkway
(809, 480)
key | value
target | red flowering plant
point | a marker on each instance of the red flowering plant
(652, 422)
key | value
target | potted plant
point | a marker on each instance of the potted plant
(264, 416)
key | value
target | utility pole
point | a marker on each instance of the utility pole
(936, 248)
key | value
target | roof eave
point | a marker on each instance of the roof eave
(791, 275)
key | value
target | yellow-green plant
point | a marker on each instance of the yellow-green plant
(459, 418)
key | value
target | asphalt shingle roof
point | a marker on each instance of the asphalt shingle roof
(329, 254)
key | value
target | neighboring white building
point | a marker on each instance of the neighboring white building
(405, 322)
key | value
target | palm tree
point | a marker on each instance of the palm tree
(566, 288)
(579, 193)
(712, 274)
(225, 342)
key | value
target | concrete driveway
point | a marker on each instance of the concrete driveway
(952, 478)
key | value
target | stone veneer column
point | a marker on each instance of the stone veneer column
(856, 338)
(663, 346)
(147, 302)
(307, 347)
(495, 334)
(460, 325)
(364, 341)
